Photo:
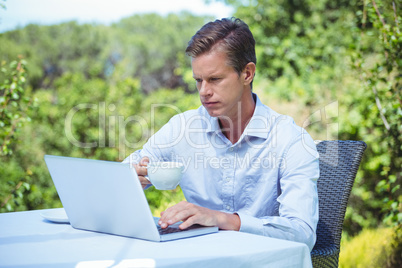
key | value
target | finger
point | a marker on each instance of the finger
(189, 222)
(141, 170)
(144, 181)
(173, 210)
(164, 220)
(144, 161)
(166, 215)
(180, 216)
(201, 216)
(179, 212)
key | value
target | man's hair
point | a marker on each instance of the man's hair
(233, 36)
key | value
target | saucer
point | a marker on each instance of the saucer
(56, 215)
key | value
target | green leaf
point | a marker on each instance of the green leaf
(27, 186)
(392, 178)
(13, 64)
(15, 96)
(396, 188)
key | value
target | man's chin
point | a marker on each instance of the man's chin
(213, 113)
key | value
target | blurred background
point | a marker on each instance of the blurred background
(95, 80)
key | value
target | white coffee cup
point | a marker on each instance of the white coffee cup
(165, 175)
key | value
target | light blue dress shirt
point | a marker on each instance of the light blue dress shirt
(269, 177)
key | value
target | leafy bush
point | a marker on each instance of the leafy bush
(14, 102)
(372, 248)
(377, 59)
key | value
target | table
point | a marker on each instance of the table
(28, 240)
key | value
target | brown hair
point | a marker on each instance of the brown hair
(233, 36)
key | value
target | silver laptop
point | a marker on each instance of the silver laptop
(107, 197)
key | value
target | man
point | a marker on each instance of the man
(247, 168)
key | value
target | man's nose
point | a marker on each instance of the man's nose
(205, 89)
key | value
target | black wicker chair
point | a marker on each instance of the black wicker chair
(339, 162)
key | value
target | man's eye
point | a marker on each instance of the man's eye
(214, 79)
(198, 80)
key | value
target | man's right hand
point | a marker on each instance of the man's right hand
(142, 171)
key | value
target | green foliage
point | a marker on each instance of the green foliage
(13, 103)
(147, 47)
(298, 45)
(372, 248)
(79, 118)
(14, 187)
(154, 48)
(50, 52)
(377, 60)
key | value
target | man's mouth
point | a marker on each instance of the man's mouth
(209, 103)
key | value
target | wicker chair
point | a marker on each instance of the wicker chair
(339, 162)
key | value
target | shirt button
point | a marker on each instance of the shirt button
(231, 149)
(227, 179)
(227, 207)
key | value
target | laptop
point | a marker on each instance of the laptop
(107, 197)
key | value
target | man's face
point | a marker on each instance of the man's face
(219, 85)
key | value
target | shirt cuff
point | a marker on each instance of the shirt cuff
(250, 224)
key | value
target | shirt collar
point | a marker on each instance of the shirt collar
(213, 123)
(258, 125)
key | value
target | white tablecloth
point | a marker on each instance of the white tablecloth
(27, 240)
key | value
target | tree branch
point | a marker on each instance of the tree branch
(381, 19)
(378, 103)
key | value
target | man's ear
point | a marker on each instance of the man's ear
(248, 73)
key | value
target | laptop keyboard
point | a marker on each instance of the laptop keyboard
(170, 230)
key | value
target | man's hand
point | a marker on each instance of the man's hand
(142, 171)
(192, 214)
